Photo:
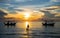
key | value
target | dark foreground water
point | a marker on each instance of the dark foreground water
(36, 30)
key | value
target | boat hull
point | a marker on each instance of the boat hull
(12, 24)
(45, 24)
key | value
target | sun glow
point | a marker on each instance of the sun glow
(26, 15)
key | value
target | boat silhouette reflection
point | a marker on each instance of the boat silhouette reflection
(27, 29)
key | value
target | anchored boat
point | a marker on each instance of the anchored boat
(9, 23)
(48, 23)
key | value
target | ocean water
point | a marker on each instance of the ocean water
(36, 30)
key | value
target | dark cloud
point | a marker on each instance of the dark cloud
(47, 14)
(51, 8)
(2, 13)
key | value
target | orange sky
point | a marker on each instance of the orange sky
(26, 15)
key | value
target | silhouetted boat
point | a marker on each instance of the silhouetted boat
(48, 23)
(9, 23)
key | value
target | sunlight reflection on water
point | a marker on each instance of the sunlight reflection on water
(36, 30)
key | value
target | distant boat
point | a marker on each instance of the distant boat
(9, 23)
(48, 23)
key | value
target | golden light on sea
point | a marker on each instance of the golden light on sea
(26, 24)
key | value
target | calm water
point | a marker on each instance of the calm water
(36, 30)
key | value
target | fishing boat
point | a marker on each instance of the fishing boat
(48, 23)
(9, 23)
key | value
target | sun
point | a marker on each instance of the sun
(26, 15)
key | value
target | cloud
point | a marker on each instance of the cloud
(50, 8)
(3, 13)
(8, 4)
(22, 0)
(57, 15)
(55, 0)
(51, 11)
(34, 14)
(26, 2)
(11, 4)
(19, 9)
(56, 12)
(37, 11)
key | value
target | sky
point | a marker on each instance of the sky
(13, 4)
(33, 7)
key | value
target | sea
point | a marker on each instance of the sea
(36, 30)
